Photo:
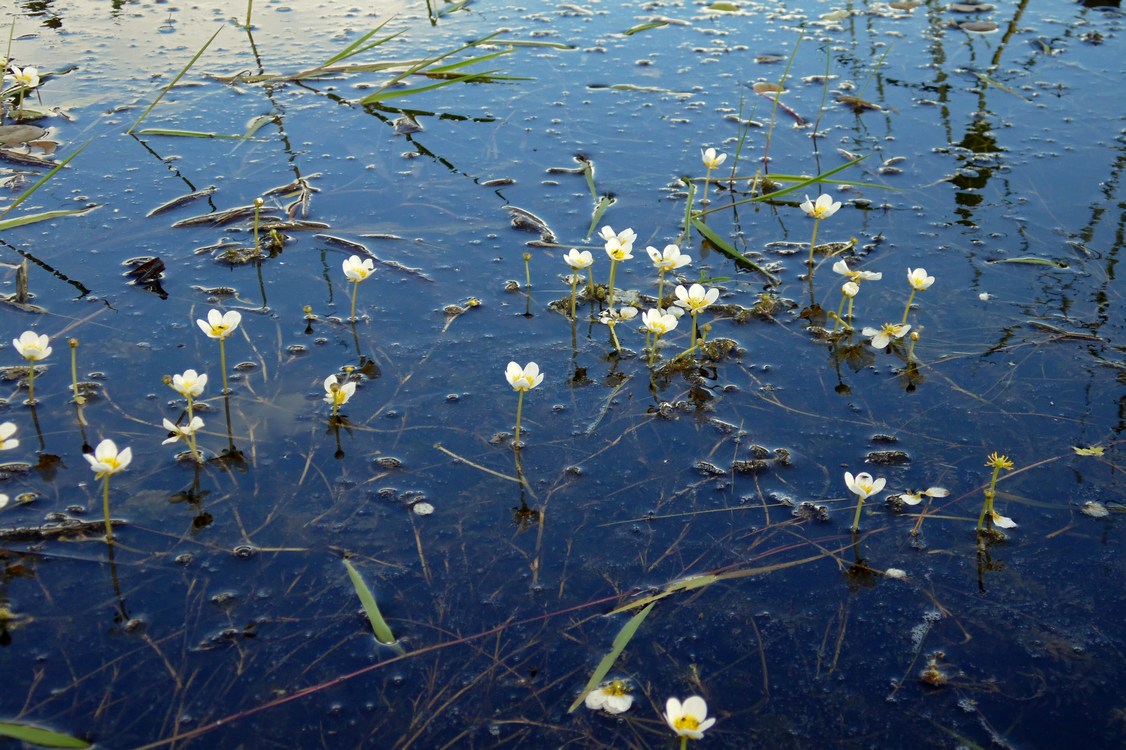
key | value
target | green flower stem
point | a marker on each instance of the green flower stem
(707, 183)
(590, 281)
(840, 309)
(908, 308)
(911, 349)
(223, 362)
(614, 338)
(990, 494)
(610, 288)
(257, 210)
(519, 413)
(31, 383)
(355, 288)
(74, 371)
(850, 300)
(812, 244)
(683, 742)
(574, 292)
(653, 348)
(856, 518)
(191, 438)
(105, 508)
(695, 331)
(527, 270)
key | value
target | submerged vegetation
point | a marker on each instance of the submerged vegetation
(674, 533)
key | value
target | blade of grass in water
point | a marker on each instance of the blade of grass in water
(354, 48)
(176, 79)
(645, 27)
(378, 624)
(34, 735)
(621, 640)
(604, 202)
(187, 133)
(729, 251)
(383, 92)
(27, 193)
(45, 216)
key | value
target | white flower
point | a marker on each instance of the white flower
(613, 697)
(336, 393)
(32, 346)
(1003, 521)
(897, 573)
(180, 433)
(850, 289)
(422, 508)
(613, 317)
(688, 719)
(523, 378)
(985, 296)
(220, 325)
(7, 442)
(357, 270)
(841, 267)
(618, 246)
(695, 299)
(863, 485)
(658, 322)
(189, 384)
(711, 159)
(27, 77)
(578, 260)
(914, 498)
(881, 337)
(107, 460)
(823, 208)
(918, 278)
(670, 259)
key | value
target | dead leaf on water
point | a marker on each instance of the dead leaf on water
(858, 105)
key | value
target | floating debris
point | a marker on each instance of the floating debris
(182, 200)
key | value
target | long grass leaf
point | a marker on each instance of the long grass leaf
(38, 736)
(175, 80)
(604, 202)
(621, 640)
(188, 133)
(27, 193)
(378, 624)
(45, 216)
(384, 94)
(470, 61)
(354, 48)
(377, 96)
(725, 248)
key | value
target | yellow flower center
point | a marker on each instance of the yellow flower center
(687, 722)
(617, 687)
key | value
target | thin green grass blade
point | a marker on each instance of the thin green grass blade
(384, 94)
(470, 61)
(621, 640)
(688, 212)
(257, 124)
(725, 248)
(645, 27)
(451, 8)
(355, 47)
(528, 43)
(174, 81)
(378, 624)
(45, 216)
(27, 193)
(379, 95)
(188, 133)
(588, 173)
(802, 182)
(38, 736)
(604, 202)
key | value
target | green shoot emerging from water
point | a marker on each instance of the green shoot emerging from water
(32, 347)
(219, 326)
(997, 462)
(357, 271)
(522, 380)
(106, 462)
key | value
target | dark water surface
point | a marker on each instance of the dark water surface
(222, 616)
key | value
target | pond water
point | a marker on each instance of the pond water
(711, 483)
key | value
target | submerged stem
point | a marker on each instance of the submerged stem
(105, 508)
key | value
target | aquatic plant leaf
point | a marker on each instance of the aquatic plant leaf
(378, 624)
(858, 105)
(383, 92)
(645, 27)
(186, 133)
(39, 736)
(27, 193)
(45, 216)
(1032, 261)
(604, 202)
(355, 47)
(729, 251)
(724, 6)
(174, 81)
(1094, 450)
(621, 640)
